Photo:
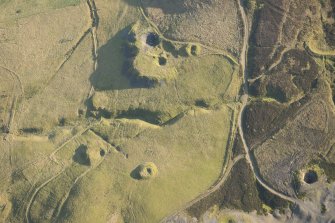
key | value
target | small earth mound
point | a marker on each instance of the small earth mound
(153, 39)
(145, 171)
(310, 177)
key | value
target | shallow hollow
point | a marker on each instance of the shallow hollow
(310, 177)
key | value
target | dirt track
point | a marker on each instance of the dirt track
(244, 100)
(226, 171)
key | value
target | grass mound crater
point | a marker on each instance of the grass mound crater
(145, 171)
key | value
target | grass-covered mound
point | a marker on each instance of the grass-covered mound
(145, 171)
(187, 165)
(147, 60)
(208, 79)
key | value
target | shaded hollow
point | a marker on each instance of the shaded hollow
(102, 152)
(81, 156)
(162, 61)
(194, 50)
(152, 39)
(144, 171)
(310, 177)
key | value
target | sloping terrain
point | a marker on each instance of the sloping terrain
(215, 23)
(295, 123)
(145, 111)
(99, 107)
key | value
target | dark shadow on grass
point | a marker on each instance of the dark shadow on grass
(134, 3)
(135, 173)
(115, 71)
(110, 70)
(115, 65)
(80, 156)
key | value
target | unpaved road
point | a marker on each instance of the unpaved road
(220, 182)
(226, 171)
(217, 186)
(244, 100)
(308, 208)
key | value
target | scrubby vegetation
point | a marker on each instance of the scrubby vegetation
(327, 167)
(329, 27)
(242, 192)
(250, 4)
(269, 112)
(239, 192)
(271, 200)
(176, 21)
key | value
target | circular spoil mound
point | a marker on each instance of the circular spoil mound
(195, 50)
(153, 39)
(310, 177)
(145, 171)
(162, 61)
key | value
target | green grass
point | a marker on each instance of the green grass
(48, 201)
(208, 78)
(63, 3)
(186, 168)
(12, 10)
(188, 150)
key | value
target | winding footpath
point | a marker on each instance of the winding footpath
(95, 44)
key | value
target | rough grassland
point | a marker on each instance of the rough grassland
(75, 126)
(177, 158)
(18, 9)
(217, 23)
